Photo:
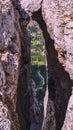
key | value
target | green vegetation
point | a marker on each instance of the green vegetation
(37, 47)
(38, 76)
(38, 61)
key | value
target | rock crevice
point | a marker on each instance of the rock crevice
(17, 95)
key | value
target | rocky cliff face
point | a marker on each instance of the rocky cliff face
(17, 95)
(9, 65)
(15, 70)
(59, 20)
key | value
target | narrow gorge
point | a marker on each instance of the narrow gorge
(19, 104)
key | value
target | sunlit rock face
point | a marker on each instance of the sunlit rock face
(58, 16)
(68, 123)
(31, 6)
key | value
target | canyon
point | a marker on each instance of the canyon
(19, 109)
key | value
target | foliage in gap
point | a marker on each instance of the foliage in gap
(38, 61)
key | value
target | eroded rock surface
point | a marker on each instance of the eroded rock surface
(58, 16)
(55, 19)
(31, 5)
(68, 123)
(5, 123)
(9, 64)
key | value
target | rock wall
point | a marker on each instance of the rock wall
(12, 51)
(58, 18)
(18, 104)
(55, 19)
(9, 65)
(68, 123)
